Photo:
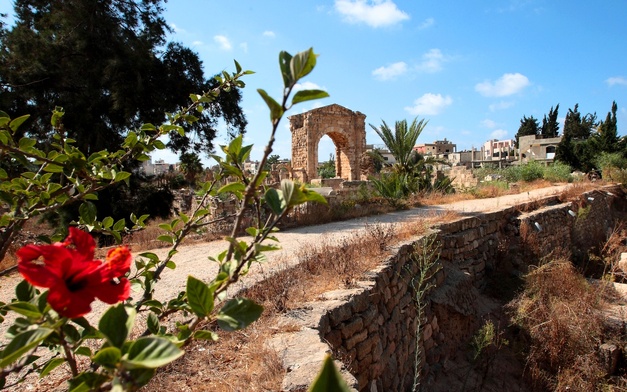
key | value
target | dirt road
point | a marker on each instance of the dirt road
(193, 259)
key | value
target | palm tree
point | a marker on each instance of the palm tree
(191, 166)
(401, 142)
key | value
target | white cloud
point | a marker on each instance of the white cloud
(197, 43)
(431, 61)
(499, 134)
(374, 13)
(507, 84)
(307, 86)
(268, 33)
(244, 47)
(223, 41)
(616, 80)
(429, 104)
(501, 105)
(391, 71)
(489, 123)
(176, 29)
(427, 23)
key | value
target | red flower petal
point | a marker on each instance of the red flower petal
(69, 304)
(112, 293)
(47, 272)
(119, 261)
(84, 243)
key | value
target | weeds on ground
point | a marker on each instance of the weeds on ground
(558, 314)
(238, 361)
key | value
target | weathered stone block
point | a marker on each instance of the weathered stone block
(355, 339)
(351, 328)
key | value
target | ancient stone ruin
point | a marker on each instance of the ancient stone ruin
(346, 129)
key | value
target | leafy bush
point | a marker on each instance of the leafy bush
(394, 187)
(614, 166)
(558, 172)
(531, 171)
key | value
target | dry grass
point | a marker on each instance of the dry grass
(559, 313)
(238, 361)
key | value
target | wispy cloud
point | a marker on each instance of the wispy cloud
(269, 34)
(498, 134)
(308, 86)
(244, 47)
(501, 105)
(429, 22)
(508, 84)
(223, 42)
(489, 123)
(374, 13)
(429, 104)
(432, 61)
(176, 29)
(197, 43)
(616, 80)
(391, 71)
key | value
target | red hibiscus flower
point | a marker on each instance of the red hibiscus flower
(74, 278)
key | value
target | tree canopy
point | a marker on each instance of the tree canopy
(528, 126)
(401, 141)
(107, 63)
(575, 149)
(550, 126)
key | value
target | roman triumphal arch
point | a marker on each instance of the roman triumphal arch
(347, 130)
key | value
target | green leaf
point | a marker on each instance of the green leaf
(116, 324)
(16, 122)
(25, 143)
(275, 201)
(153, 323)
(166, 238)
(108, 357)
(329, 379)
(84, 351)
(24, 291)
(119, 225)
(285, 60)
(206, 335)
(308, 95)
(21, 344)
(276, 111)
(200, 297)
(303, 63)
(107, 222)
(238, 313)
(235, 187)
(88, 212)
(151, 352)
(50, 366)
(148, 127)
(51, 168)
(26, 309)
(121, 176)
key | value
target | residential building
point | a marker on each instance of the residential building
(498, 150)
(439, 148)
(536, 148)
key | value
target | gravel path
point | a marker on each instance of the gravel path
(193, 259)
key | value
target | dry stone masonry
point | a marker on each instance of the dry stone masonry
(372, 327)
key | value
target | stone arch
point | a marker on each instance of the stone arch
(347, 130)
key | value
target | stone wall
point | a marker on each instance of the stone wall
(372, 326)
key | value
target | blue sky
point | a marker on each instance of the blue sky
(471, 68)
